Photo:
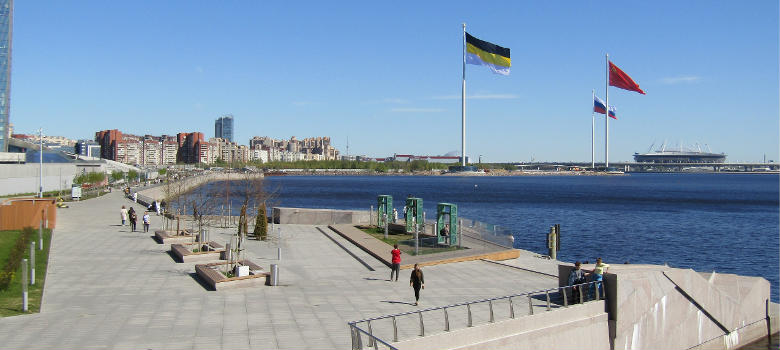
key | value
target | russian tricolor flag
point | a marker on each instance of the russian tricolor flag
(598, 107)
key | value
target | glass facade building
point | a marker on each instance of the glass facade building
(6, 30)
(223, 127)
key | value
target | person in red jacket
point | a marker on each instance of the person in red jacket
(396, 267)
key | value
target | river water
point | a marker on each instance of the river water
(727, 223)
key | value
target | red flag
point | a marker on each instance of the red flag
(618, 78)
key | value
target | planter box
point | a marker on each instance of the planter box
(183, 252)
(170, 237)
(212, 275)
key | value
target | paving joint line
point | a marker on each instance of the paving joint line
(519, 268)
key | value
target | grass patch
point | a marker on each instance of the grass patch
(11, 298)
(405, 241)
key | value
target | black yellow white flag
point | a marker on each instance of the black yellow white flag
(483, 53)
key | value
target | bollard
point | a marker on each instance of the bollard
(24, 285)
(384, 216)
(460, 229)
(32, 263)
(279, 247)
(416, 238)
(371, 215)
(40, 233)
(551, 244)
(274, 275)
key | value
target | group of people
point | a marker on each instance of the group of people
(578, 277)
(130, 214)
(416, 280)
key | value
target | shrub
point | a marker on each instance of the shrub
(261, 224)
(15, 258)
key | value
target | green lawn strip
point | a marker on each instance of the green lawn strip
(7, 242)
(11, 298)
(405, 241)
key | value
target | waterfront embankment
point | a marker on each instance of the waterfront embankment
(182, 186)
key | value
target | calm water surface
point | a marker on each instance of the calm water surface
(709, 222)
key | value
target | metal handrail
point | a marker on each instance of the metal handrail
(373, 339)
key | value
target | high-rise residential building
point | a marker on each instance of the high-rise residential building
(6, 31)
(223, 127)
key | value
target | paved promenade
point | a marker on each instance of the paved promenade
(109, 288)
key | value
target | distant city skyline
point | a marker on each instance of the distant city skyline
(394, 85)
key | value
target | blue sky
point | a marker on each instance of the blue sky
(387, 75)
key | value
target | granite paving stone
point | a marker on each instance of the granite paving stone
(109, 288)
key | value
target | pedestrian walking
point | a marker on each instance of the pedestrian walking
(123, 214)
(417, 282)
(396, 267)
(147, 221)
(395, 215)
(133, 218)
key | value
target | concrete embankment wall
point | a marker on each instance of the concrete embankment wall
(306, 216)
(583, 326)
(659, 307)
(24, 178)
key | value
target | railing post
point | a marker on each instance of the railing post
(395, 330)
(565, 297)
(547, 294)
(468, 308)
(422, 325)
(446, 321)
(490, 304)
(371, 341)
(579, 290)
(530, 305)
(357, 339)
(511, 309)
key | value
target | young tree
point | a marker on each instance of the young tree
(261, 223)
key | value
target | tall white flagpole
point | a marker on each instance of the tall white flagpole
(463, 105)
(593, 132)
(40, 152)
(606, 120)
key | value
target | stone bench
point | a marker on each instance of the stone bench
(184, 254)
(209, 275)
(217, 281)
(168, 236)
